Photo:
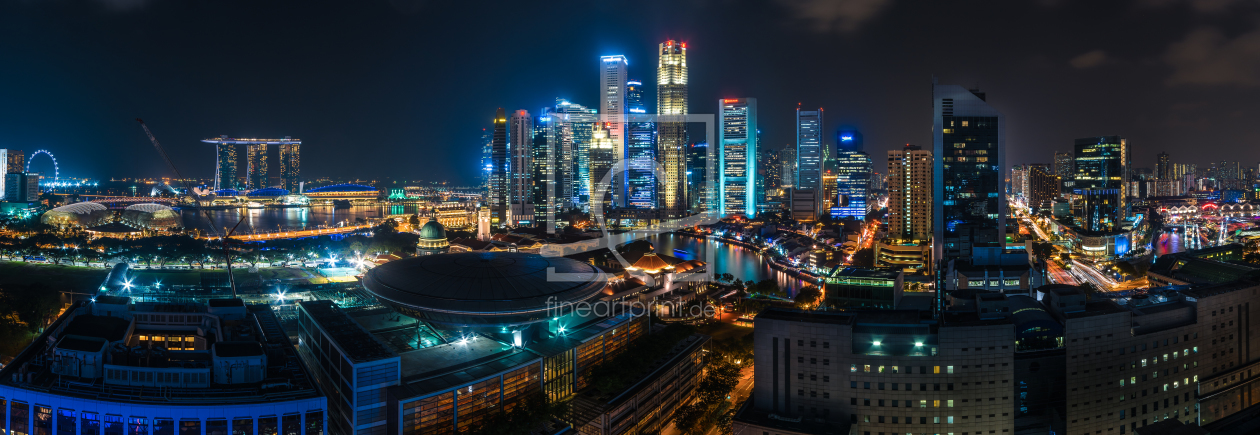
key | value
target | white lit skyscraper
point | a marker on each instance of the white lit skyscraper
(968, 141)
(809, 170)
(737, 154)
(671, 105)
(612, 111)
(256, 165)
(603, 157)
(520, 169)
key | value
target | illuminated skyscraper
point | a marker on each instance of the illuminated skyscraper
(291, 166)
(486, 166)
(1019, 180)
(16, 161)
(498, 174)
(1102, 175)
(853, 175)
(698, 195)
(968, 141)
(603, 152)
(910, 193)
(640, 150)
(612, 110)
(1065, 168)
(1163, 170)
(256, 165)
(547, 197)
(575, 124)
(224, 163)
(520, 169)
(737, 156)
(671, 105)
(7, 167)
(809, 152)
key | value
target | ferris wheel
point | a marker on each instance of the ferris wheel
(56, 169)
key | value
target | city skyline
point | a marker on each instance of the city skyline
(1159, 107)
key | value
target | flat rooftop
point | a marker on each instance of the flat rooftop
(357, 343)
(857, 272)
(103, 327)
(785, 314)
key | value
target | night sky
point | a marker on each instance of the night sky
(402, 88)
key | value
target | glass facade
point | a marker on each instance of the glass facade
(968, 141)
(1101, 173)
(640, 151)
(853, 176)
(809, 152)
(738, 153)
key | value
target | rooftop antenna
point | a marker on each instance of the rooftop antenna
(196, 200)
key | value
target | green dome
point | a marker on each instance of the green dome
(433, 230)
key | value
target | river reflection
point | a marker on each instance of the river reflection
(272, 219)
(742, 263)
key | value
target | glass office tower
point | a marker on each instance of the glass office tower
(968, 139)
(809, 152)
(738, 156)
(1101, 177)
(640, 150)
(853, 176)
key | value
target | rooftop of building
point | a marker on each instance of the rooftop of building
(751, 415)
(866, 273)
(283, 378)
(1096, 308)
(485, 284)
(794, 315)
(357, 344)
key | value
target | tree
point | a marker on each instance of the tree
(414, 220)
(808, 297)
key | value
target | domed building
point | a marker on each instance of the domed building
(82, 214)
(432, 239)
(151, 217)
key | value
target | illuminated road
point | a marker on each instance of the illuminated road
(1059, 275)
(1093, 276)
(299, 233)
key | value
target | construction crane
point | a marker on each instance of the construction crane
(196, 200)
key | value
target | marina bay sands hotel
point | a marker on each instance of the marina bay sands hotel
(258, 152)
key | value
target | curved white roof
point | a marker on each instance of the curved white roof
(81, 208)
(148, 207)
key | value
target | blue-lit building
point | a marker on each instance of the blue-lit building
(809, 149)
(1102, 165)
(737, 156)
(853, 175)
(640, 150)
(575, 123)
(968, 139)
(698, 195)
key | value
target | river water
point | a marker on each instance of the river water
(273, 219)
(742, 263)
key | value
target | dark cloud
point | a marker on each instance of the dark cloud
(834, 15)
(123, 5)
(1205, 6)
(1207, 57)
(1089, 60)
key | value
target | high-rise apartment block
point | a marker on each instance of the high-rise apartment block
(910, 193)
(1102, 165)
(737, 154)
(968, 142)
(1042, 187)
(520, 169)
(671, 106)
(1019, 181)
